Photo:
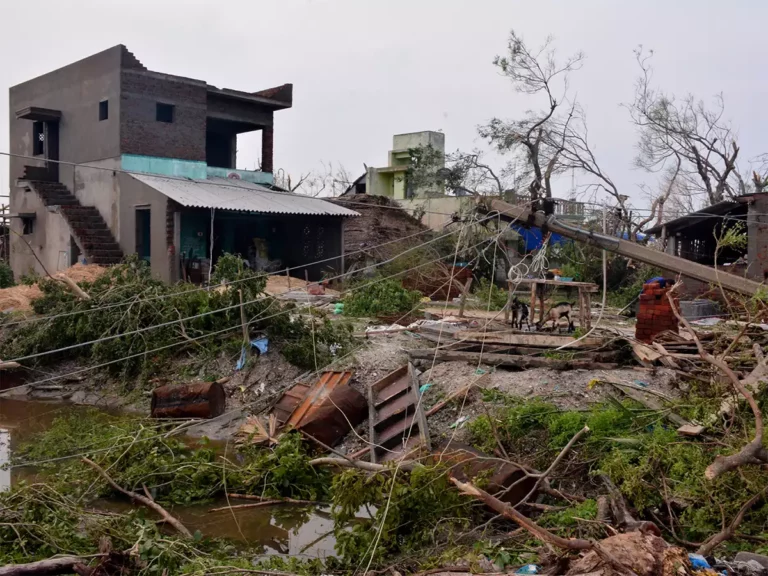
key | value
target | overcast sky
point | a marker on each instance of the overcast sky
(364, 70)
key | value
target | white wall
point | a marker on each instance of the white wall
(99, 188)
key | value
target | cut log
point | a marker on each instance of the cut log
(48, 567)
(509, 360)
(538, 340)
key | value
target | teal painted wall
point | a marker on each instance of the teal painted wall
(164, 166)
(195, 232)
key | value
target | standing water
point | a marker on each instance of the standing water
(282, 529)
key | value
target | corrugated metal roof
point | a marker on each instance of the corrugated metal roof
(226, 194)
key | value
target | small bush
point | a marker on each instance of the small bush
(6, 275)
(498, 296)
(381, 299)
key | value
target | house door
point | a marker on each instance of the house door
(143, 234)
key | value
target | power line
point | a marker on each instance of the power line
(218, 310)
(229, 329)
(222, 284)
(317, 371)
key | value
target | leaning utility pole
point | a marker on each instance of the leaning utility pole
(525, 217)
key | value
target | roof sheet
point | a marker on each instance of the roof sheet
(718, 209)
(226, 194)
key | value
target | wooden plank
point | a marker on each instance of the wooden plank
(510, 360)
(541, 340)
(645, 355)
(423, 430)
(371, 422)
(389, 378)
(650, 402)
(543, 282)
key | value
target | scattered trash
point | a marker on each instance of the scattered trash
(460, 422)
(338, 308)
(384, 328)
(707, 321)
(528, 569)
(641, 383)
(425, 387)
(699, 562)
(241, 362)
(261, 344)
(480, 371)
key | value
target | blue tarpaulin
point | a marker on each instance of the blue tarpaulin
(532, 237)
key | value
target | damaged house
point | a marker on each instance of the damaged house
(695, 237)
(110, 158)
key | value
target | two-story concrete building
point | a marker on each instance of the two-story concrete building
(110, 158)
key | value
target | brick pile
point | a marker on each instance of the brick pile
(655, 314)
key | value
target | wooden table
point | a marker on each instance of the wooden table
(584, 303)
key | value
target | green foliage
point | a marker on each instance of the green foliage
(154, 303)
(485, 288)
(410, 511)
(6, 275)
(310, 343)
(639, 451)
(136, 453)
(381, 298)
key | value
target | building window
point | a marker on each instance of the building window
(103, 110)
(27, 225)
(38, 138)
(164, 112)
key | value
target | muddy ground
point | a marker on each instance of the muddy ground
(264, 378)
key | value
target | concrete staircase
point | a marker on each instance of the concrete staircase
(89, 229)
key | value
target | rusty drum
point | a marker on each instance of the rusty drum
(196, 400)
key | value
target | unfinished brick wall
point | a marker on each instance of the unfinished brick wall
(655, 314)
(141, 133)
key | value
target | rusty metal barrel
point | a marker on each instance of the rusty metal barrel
(196, 400)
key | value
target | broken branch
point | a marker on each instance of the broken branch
(48, 567)
(538, 531)
(145, 500)
(727, 533)
(753, 452)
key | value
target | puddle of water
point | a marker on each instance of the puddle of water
(282, 529)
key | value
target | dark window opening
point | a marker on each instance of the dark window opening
(27, 225)
(38, 138)
(220, 149)
(143, 234)
(103, 110)
(164, 112)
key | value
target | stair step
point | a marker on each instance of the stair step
(393, 434)
(393, 390)
(404, 404)
(103, 261)
(109, 245)
(85, 222)
(104, 254)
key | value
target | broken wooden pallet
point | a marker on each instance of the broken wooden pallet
(537, 340)
(396, 420)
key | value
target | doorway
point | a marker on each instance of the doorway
(143, 234)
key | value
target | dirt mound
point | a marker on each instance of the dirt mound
(82, 272)
(19, 298)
